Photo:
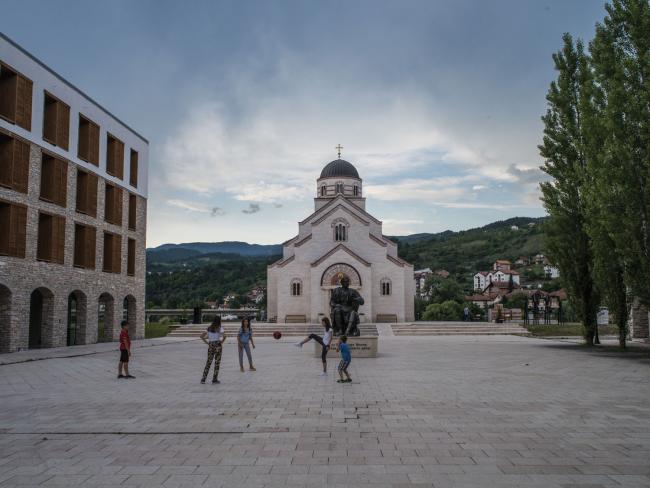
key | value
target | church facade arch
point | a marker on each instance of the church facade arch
(332, 276)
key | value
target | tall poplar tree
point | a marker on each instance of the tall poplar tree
(620, 54)
(565, 153)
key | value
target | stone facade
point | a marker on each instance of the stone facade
(316, 259)
(639, 328)
(121, 295)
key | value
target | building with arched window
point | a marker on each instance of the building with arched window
(339, 239)
(73, 208)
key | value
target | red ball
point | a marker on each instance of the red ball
(277, 334)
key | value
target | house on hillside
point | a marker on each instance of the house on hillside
(522, 261)
(540, 259)
(255, 295)
(501, 272)
(443, 273)
(551, 271)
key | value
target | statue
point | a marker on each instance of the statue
(344, 306)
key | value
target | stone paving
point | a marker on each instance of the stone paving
(489, 411)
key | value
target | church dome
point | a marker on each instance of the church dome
(339, 168)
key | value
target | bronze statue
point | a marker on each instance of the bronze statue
(344, 306)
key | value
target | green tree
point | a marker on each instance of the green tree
(620, 199)
(449, 310)
(563, 149)
(443, 289)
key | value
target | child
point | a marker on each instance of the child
(213, 337)
(245, 336)
(346, 357)
(323, 341)
(125, 352)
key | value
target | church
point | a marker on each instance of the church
(340, 239)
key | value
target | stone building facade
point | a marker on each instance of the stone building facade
(73, 212)
(340, 239)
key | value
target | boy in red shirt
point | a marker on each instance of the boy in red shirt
(125, 352)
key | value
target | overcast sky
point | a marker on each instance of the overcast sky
(437, 103)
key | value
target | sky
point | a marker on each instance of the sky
(436, 103)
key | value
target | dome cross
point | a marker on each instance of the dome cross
(338, 149)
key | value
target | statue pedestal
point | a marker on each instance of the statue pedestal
(360, 347)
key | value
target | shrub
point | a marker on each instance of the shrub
(448, 310)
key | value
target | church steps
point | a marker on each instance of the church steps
(266, 330)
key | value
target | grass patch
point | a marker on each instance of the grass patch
(151, 331)
(569, 329)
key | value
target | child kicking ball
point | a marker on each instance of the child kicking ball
(346, 357)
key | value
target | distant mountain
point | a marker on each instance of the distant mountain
(235, 247)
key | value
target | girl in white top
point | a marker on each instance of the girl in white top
(213, 337)
(323, 341)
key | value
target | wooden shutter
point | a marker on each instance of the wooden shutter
(133, 170)
(63, 125)
(47, 177)
(130, 267)
(60, 182)
(18, 231)
(93, 143)
(44, 248)
(90, 237)
(79, 245)
(110, 155)
(58, 239)
(118, 205)
(91, 193)
(50, 119)
(7, 145)
(117, 254)
(21, 166)
(8, 88)
(82, 191)
(119, 163)
(24, 103)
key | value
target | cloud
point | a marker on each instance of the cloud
(527, 175)
(479, 187)
(252, 208)
(278, 205)
(197, 207)
(217, 211)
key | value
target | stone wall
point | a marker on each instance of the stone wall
(639, 320)
(20, 277)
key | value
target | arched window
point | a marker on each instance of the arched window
(340, 233)
(296, 287)
(385, 287)
(339, 187)
(323, 190)
(356, 191)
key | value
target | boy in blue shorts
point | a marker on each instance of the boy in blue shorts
(346, 357)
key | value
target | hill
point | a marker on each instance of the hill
(465, 252)
(180, 275)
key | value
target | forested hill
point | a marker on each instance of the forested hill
(181, 275)
(465, 252)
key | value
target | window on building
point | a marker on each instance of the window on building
(54, 180)
(340, 232)
(112, 258)
(114, 157)
(56, 121)
(113, 204)
(323, 191)
(133, 208)
(15, 97)
(88, 146)
(14, 163)
(87, 193)
(85, 241)
(339, 188)
(296, 288)
(51, 238)
(130, 261)
(385, 287)
(133, 169)
(13, 229)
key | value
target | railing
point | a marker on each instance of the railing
(192, 314)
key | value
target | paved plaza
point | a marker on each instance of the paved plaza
(499, 411)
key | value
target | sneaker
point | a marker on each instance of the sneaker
(203, 382)
(349, 380)
(324, 374)
(128, 376)
(298, 344)
(241, 369)
(341, 381)
(215, 382)
(120, 376)
(252, 368)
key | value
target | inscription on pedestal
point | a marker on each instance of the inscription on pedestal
(360, 347)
